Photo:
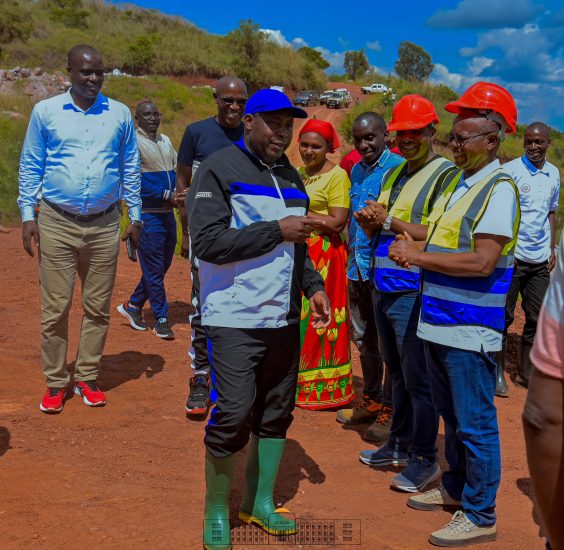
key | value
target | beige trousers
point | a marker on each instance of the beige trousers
(69, 247)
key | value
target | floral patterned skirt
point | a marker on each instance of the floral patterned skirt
(325, 374)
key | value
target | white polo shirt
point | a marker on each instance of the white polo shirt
(498, 220)
(539, 191)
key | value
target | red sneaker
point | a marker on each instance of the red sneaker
(53, 401)
(90, 393)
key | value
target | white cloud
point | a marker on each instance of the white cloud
(477, 64)
(276, 36)
(336, 60)
(374, 46)
(299, 43)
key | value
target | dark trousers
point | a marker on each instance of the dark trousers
(365, 336)
(155, 251)
(463, 384)
(531, 280)
(415, 422)
(254, 376)
(199, 346)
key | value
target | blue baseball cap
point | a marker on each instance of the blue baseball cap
(268, 100)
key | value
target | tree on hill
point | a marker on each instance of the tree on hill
(356, 63)
(314, 57)
(413, 62)
(141, 53)
(248, 43)
(15, 23)
(70, 13)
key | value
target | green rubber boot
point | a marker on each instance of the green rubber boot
(263, 460)
(219, 473)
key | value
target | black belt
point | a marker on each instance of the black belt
(80, 217)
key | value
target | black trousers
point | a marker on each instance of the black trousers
(254, 376)
(531, 280)
(199, 347)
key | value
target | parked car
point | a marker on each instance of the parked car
(346, 92)
(306, 98)
(323, 97)
(374, 89)
(279, 88)
(338, 100)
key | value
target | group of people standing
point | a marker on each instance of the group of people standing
(427, 284)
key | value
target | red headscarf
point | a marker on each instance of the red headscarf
(324, 129)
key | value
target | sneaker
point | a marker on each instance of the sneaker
(435, 499)
(134, 316)
(367, 411)
(380, 428)
(53, 401)
(199, 397)
(162, 330)
(460, 531)
(90, 393)
(384, 456)
(418, 474)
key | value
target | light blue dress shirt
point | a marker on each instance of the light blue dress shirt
(539, 191)
(366, 182)
(82, 161)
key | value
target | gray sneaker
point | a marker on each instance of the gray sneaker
(134, 316)
(418, 474)
(460, 531)
(162, 330)
(435, 499)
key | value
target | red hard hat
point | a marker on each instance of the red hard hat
(486, 96)
(412, 112)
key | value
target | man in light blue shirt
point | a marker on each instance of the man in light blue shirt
(369, 133)
(538, 182)
(80, 153)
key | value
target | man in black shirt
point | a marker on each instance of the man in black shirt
(200, 140)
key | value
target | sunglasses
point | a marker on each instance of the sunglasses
(232, 100)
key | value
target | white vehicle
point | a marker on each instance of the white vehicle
(279, 88)
(374, 89)
(323, 97)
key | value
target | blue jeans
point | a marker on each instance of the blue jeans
(415, 422)
(155, 251)
(463, 385)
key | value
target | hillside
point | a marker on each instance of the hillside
(142, 41)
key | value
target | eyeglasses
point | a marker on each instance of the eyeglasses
(232, 100)
(460, 141)
(149, 116)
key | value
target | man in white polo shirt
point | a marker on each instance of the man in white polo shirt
(538, 182)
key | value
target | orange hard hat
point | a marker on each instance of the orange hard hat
(486, 96)
(412, 112)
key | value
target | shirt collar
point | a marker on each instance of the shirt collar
(241, 144)
(68, 102)
(142, 132)
(380, 161)
(532, 168)
(483, 173)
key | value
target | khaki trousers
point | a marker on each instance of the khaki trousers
(69, 247)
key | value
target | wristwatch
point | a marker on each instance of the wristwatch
(387, 225)
(137, 223)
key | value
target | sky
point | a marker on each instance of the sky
(516, 43)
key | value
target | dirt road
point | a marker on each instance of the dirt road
(130, 475)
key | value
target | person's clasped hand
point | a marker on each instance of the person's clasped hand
(404, 251)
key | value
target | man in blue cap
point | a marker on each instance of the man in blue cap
(247, 211)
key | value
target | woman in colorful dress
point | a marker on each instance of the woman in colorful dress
(325, 376)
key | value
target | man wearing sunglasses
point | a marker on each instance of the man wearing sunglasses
(466, 265)
(201, 139)
(158, 236)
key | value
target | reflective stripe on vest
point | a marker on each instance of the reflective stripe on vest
(478, 301)
(412, 206)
